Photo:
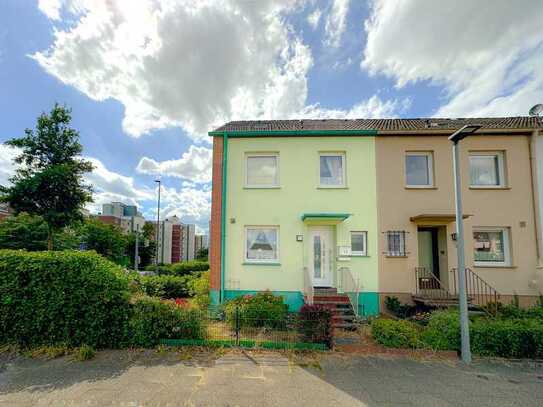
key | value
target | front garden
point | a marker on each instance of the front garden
(72, 299)
(513, 333)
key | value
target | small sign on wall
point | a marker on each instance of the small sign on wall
(299, 238)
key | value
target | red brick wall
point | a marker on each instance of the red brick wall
(176, 243)
(109, 220)
(216, 205)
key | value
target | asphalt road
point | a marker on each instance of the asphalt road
(189, 378)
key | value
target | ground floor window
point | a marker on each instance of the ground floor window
(491, 247)
(396, 243)
(359, 243)
(262, 244)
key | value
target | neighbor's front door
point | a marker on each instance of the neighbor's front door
(321, 256)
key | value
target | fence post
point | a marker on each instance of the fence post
(237, 325)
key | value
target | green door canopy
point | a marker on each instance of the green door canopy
(324, 218)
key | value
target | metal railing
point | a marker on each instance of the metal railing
(350, 286)
(308, 286)
(430, 286)
(479, 292)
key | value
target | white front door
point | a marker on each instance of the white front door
(321, 256)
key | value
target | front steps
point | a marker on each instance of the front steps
(343, 316)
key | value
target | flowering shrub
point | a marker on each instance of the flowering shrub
(261, 309)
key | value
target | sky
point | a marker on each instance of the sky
(147, 79)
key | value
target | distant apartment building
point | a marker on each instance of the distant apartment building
(177, 242)
(124, 216)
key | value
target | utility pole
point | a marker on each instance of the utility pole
(136, 255)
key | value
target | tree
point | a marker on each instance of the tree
(202, 254)
(49, 179)
(107, 240)
(146, 250)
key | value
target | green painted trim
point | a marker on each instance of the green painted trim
(341, 216)
(215, 297)
(260, 133)
(368, 304)
(294, 299)
(223, 213)
(247, 263)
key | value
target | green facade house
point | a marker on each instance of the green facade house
(294, 210)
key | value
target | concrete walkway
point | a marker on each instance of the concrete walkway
(130, 378)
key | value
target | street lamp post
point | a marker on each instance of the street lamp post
(461, 264)
(157, 227)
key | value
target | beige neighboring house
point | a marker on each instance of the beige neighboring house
(415, 191)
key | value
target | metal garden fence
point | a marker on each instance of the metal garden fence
(305, 330)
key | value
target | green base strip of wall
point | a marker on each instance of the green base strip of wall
(244, 343)
(368, 304)
(294, 299)
(214, 296)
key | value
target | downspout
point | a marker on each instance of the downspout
(223, 214)
(536, 195)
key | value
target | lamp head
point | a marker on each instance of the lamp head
(463, 132)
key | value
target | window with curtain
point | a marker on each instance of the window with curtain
(419, 169)
(358, 243)
(491, 247)
(486, 169)
(396, 243)
(332, 170)
(261, 244)
(262, 170)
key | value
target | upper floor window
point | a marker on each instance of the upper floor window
(332, 170)
(262, 244)
(486, 169)
(359, 243)
(491, 247)
(262, 170)
(419, 169)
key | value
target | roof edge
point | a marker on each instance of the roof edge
(258, 133)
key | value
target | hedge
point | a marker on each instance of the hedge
(315, 324)
(153, 320)
(180, 269)
(510, 338)
(69, 297)
(164, 286)
(396, 334)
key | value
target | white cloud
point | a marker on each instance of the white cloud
(7, 168)
(373, 107)
(194, 165)
(51, 8)
(110, 186)
(184, 63)
(314, 18)
(336, 23)
(487, 54)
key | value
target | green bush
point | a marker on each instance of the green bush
(153, 320)
(259, 310)
(396, 334)
(198, 285)
(521, 338)
(400, 310)
(69, 298)
(443, 331)
(164, 286)
(85, 352)
(315, 324)
(188, 267)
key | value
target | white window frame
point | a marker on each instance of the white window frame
(343, 168)
(430, 162)
(364, 235)
(506, 247)
(256, 155)
(263, 261)
(501, 169)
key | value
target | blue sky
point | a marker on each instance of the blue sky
(146, 82)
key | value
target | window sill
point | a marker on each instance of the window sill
(359, 255)
(396, 257)
(274, 187)
(251, 263)
(493, 267)
(493, 188)
(419, 187)
(332, 187)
